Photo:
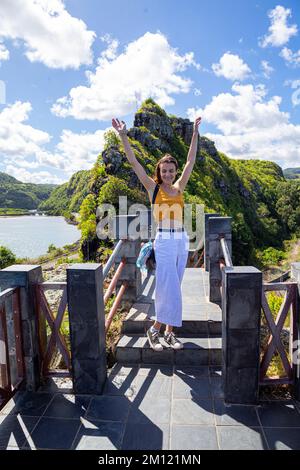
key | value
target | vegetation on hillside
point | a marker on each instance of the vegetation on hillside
(18, 195)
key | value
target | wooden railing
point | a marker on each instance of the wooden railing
(57, 340)
(12, 369)
(56, 337)
(274, 344)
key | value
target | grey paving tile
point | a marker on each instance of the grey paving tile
(241, 438)
(217, 387)
(279, 415)
(121, 369)
(148, 436)
(14, 429)
(109, 408)
(68, 406)
(153, 387)
(195, 411)
(120, 385)
(98, 435)
(283, 438)
(57, 385)
(155, 411)
(192, 371)
(53, 433)
(229, 415)
(156, 370)
(28, 404)
(193, 438)
(189, 387)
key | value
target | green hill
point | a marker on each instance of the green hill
(292, 173)
(247, 190)
(68, 196)
(18, 195)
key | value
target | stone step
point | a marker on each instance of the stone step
(200, 350)
(205, 318)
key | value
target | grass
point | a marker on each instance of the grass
(275, 368)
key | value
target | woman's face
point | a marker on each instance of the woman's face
(168, 172)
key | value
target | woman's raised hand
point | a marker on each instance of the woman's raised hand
(197, 123)
(120, 126)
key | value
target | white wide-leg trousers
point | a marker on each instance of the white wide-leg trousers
(171, 253)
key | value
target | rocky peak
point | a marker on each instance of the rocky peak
(159, 126)
(183, 128)
(208, 146)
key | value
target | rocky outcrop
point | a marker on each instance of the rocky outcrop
(147, 139)
(183, 128)
(158, 125)
(113, 159)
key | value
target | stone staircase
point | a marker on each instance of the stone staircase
(201, 331)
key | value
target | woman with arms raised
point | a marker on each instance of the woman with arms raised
(171, 242)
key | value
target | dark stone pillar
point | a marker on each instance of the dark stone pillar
(87, 327)
(26, 277)
(241, 311)
(206, 239)
(217, 226)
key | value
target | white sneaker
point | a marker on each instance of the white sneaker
(172, 341)
(153, 338)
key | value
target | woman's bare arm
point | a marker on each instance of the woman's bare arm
(146, 181)
(191, 158)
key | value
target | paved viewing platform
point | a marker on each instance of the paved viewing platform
(151, 401)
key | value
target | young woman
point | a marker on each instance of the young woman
(171, 242)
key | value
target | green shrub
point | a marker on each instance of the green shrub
(7, 257)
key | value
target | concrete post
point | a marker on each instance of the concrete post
(295, 274)
(241, 311)
(130, 250)
(217, 226)
(206, 239)
(26, 277)
(87, 327)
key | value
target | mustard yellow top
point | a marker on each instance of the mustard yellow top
(168, 207)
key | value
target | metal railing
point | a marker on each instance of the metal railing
(226, 253)
(12, 367)
(113, 283)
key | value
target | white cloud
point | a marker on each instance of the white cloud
(291, 58)
(252, 126)
(280, 32)
(4, 52)
(37, 177)
(17, 137)
(197, 92)
(232, 67)
(24, 148)
(80, 151)
(50, 34)
(149, 66)
(267, 69)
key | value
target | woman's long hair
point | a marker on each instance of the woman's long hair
(165, 159)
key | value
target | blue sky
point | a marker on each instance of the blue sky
(68, 67)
